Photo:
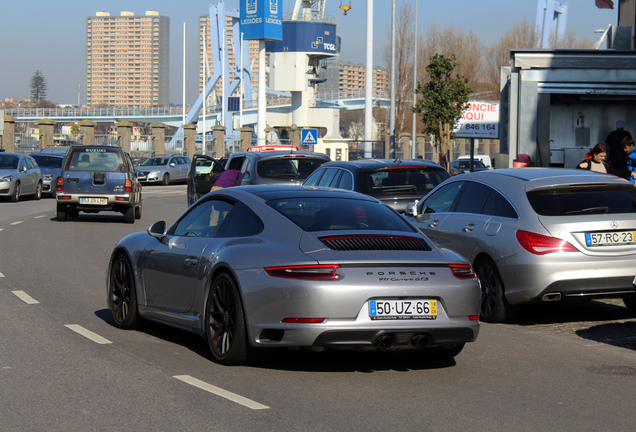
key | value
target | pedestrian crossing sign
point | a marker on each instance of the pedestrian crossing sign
(309, 136)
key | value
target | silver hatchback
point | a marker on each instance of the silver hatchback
(19, 175)
(537, 234)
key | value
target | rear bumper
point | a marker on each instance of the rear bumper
(574, 276)
(113, 202)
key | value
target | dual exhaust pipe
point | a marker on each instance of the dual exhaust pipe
(386, 341)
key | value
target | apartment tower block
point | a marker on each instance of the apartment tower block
(127, 59)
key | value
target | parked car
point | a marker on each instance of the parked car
(266, 167)
(462, 166)
(347, 272)
(98, 178)
(20, 175)
(164, 169)
(275, 167)
(537, 234)
(485, 159)
(394, 182)
(51, 166)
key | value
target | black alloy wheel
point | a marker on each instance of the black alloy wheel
(16, 193)
(122, 298)
(494, 307)
(38, 191)
(225, 323)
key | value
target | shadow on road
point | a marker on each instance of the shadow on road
(572, 312)
(620, 334)
(297, 360)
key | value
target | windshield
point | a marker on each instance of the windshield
(407, 180)
(48, 161)
(8, 162)
(158, 161)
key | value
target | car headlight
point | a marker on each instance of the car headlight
(47, 177)
(6, 178)
(154, 173)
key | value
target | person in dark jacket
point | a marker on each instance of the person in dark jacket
(616, 156)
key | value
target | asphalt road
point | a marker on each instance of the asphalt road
(64, 366)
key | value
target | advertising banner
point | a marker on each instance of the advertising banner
(479, 120)
(262, 19)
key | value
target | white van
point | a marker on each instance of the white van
(483, 158)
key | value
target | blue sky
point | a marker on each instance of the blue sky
(51, 35)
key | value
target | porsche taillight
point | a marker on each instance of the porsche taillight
(318, 271)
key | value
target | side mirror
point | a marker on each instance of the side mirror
(172, 164)
(411, 209)
(158, 230)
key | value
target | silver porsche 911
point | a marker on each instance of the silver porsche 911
(296, 266)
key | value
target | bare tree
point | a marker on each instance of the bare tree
(467, 49)
(521, 36)
(404, 44)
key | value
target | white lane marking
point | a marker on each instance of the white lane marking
(16, 223)
(1, 275)
(1, 229)
(220, 392)
(38, 217)
(25, 297)
(88, 334)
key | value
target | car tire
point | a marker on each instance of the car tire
(138, 210)
(62, 213)
(122, 296)
(166, 179)
(630, 303)
(16, 192)
(53, 189)
(225, 323)
(494, 307)
(38, 192)
(129, 214)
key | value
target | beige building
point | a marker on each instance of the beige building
(340, 75)
(127, 59)
(204, 23)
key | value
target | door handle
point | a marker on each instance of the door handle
(191, 262)
(433, 224)
(468, 228)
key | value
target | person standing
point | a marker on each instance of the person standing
(616, 156)
(594, 160)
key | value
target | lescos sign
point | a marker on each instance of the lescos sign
(479, 120)
(262, 19)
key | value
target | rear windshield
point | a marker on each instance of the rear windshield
(324, 214)
(288, 168)
(407, 180)
(103, 159)
(48, 161)
(584, 199)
